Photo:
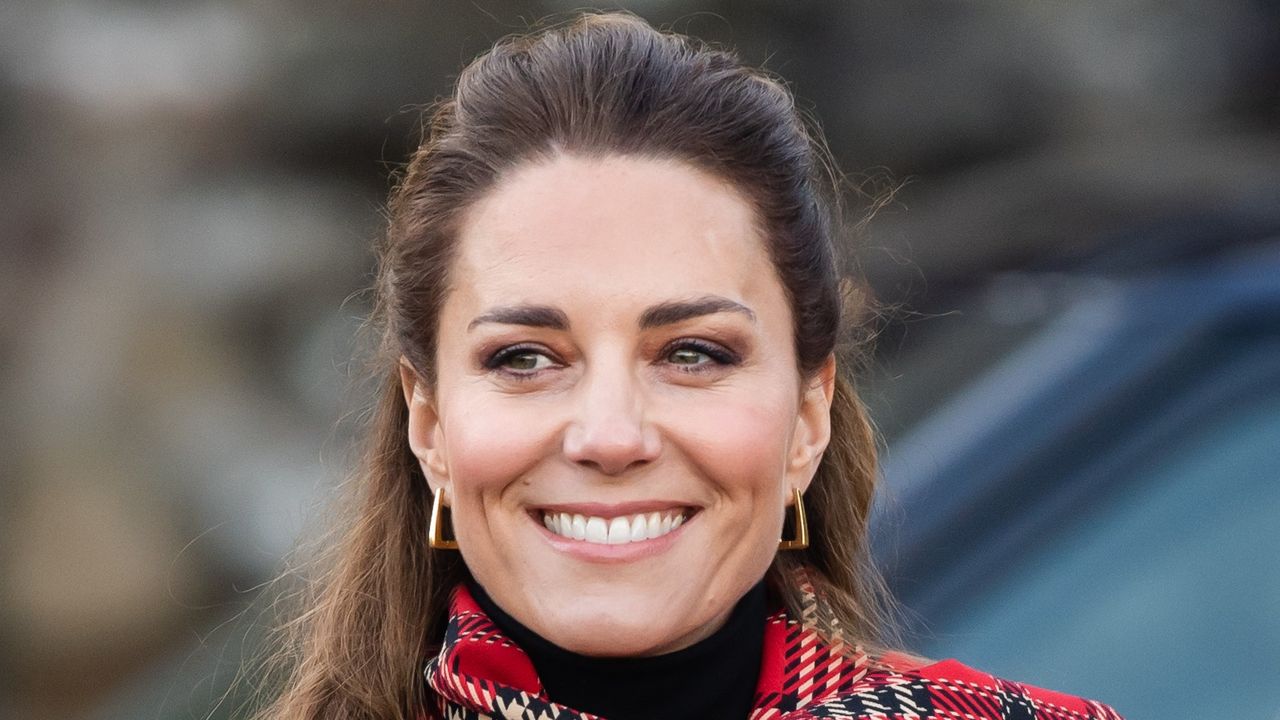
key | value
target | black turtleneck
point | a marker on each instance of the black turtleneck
(713, 679)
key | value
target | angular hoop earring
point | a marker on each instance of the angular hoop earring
(437, 539)
(801, 524)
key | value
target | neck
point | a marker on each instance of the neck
(711, 679)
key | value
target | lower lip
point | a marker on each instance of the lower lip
(598, 552)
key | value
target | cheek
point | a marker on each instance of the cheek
(493, 442)
(739, 439)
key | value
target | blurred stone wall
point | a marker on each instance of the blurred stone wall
(189, 190)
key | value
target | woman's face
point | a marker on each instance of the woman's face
(618, 419)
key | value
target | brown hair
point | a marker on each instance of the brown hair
(603, 84)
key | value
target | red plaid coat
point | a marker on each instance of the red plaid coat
(480, 674)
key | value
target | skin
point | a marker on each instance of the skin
(708, 412)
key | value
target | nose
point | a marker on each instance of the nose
(609, 432)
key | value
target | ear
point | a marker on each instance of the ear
(425, 438)
(813, 427)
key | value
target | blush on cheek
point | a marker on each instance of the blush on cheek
(489, 447)
(741, 444)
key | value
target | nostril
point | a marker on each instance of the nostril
(611, 448)
(616, 467)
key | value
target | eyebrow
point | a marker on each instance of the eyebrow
(530, 315)
(669, 313)
(666, 313)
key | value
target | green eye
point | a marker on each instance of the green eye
(685, 356)
(526, 361)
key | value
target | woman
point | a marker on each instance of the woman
(617, 469)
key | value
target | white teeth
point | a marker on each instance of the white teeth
(596, 531)
(653, 525)
(613, 531)
(639, 529)
(619, 531)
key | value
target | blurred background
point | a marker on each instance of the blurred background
(1079, 384)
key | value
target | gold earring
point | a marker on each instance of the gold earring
(801, 524)
(437, 539)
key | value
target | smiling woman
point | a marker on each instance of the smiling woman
(648, 373)
(611, 311)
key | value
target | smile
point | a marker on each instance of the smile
(613, 531)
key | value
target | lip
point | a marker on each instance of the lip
(613, 510)
(626, 552)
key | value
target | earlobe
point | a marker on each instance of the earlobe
(424, 426)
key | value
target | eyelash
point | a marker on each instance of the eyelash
(719, 355)
(497, 359)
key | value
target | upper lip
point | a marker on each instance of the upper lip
(612, 510)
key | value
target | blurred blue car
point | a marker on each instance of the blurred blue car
(1098, 510)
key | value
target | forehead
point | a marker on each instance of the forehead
(583, 228)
